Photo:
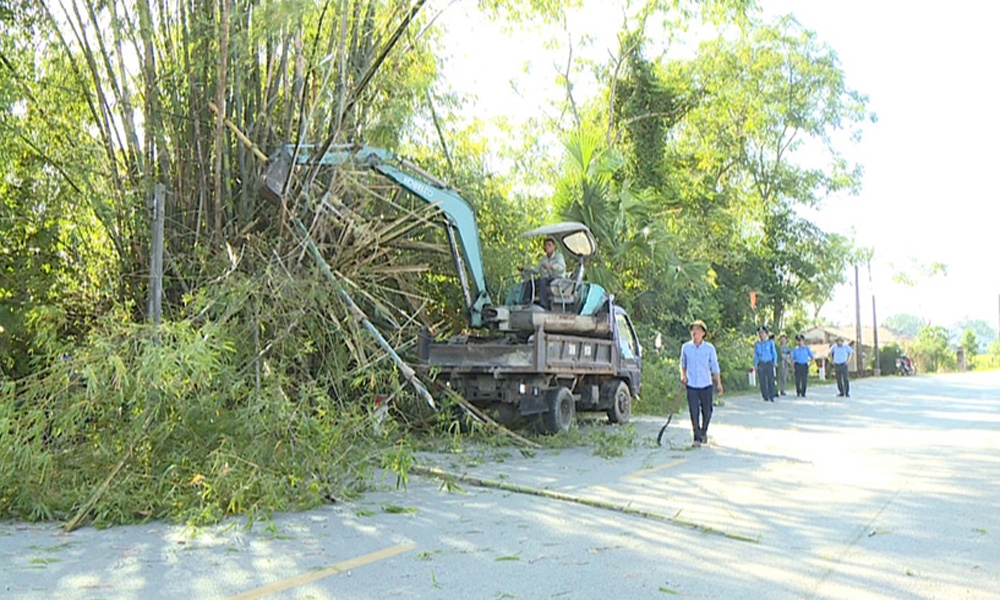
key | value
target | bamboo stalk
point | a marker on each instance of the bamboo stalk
(505, 486)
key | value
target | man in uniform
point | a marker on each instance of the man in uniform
(800, 357)
(765, 356)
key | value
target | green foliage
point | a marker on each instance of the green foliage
(662, 392)
(970, 343)
(234, 410)
(887, 356)
(984, 332)
(614, 442)
(905, 325)
(990, 360)
(931, 352)
(765, 99)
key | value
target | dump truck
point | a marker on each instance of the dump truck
(517, 359)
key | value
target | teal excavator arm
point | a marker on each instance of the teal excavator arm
(460, 218)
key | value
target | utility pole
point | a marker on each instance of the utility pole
(878, 363)
(857, 322)
(877, 369)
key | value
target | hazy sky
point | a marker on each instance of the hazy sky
(930, 71)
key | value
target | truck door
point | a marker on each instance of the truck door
(629, 351)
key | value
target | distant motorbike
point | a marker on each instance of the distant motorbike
(904, 366)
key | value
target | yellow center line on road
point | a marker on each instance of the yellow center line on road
(291, 582)
(662, 467)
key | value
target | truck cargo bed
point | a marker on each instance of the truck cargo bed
(544, 353)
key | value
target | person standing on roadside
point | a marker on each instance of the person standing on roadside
(699, 367)
(840, 353)
(800, 356)
(765, 357)
(784, 357)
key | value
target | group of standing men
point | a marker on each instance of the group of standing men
(771, 361)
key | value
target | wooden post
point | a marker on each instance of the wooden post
(156, 256)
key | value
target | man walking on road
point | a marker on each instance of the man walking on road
(800, 357)
(840, 353)
(699, 366)
(765, 356)
(784, 357)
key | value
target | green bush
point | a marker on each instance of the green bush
(662, 392)
(226, 412)
(887, 356)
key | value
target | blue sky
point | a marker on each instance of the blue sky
(930, 71)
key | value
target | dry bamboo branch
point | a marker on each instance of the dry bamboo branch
(436, 473)
(239, 134)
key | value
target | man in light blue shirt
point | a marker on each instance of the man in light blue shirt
(765, 356)
(800, 357)
(699, 367)
(840, 353)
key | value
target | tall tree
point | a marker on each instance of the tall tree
(770, 100)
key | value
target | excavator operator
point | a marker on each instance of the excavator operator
(537, 280)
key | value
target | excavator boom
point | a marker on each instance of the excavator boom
(460, 218)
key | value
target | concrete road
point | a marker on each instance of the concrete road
(892, 493)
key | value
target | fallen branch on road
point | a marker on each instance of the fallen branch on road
(449, 477)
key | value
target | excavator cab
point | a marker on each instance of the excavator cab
(569, 294)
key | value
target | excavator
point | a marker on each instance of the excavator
(523, 361)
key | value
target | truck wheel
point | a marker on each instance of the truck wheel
(562, 411)
(620, 410)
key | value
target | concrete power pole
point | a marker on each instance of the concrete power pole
(877, 369)
(857, 322)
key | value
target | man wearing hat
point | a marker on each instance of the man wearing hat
(840, 354)
(765, 356)
(801, 355)
(699, 367)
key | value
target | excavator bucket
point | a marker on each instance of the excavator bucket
(276, 173)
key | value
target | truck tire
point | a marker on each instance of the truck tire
(616, 392)
(562, 411)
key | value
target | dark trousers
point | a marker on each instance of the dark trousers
(536, 290)
(843, 381)
(765, 376)
(801, 378)
(700, 407)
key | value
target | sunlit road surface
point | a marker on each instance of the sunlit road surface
(892, 493)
